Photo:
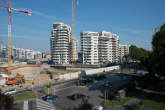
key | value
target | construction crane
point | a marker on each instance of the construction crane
(73, 40)
(10, 9)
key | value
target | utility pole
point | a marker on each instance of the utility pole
(48, 86)
(10, 9)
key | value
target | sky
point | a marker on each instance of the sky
(134, 21)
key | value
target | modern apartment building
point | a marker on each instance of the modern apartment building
(61, 44)
(31, 54)
(115, 48)
(89, 47)
(99, 48)
(123, 51)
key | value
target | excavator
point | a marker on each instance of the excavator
(16, 80)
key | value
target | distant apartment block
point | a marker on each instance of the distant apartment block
(123, 51)
(46, 55)
(61, 44)
(99, 48)
(20, 53)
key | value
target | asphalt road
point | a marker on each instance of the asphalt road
(63, 90)
(95, 91)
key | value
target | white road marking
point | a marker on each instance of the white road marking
(57, 90)
(44, 105)
(25, 105)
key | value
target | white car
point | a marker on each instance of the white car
(10, 92)
(98, 108)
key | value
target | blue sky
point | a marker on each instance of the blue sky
(133, 20)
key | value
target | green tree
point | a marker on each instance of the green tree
(133, 52)
(138, 53)
(157, 62)
(85, 105)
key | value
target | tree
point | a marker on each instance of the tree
(85, 105)
(138, 53)
(6, 102)
(158, 56)
(133, 52)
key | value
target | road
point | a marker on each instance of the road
(95, 91)
(63, 90)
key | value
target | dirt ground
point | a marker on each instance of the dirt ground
(36, 72)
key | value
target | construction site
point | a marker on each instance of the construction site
(12, 74)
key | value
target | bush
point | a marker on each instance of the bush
(85, 105)
(136, 106)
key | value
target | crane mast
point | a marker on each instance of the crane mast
(9, 9)
(73, 33)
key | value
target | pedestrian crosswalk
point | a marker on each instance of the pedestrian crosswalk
(43, 105)
(25, 106)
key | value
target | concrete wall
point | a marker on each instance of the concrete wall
(75, 75)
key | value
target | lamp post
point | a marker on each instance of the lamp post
(49, 86)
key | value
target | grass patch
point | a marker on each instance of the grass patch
(156, 101)
(136, 106)
(132, 90)
(124, 70)
(116, 102)
(24, 96)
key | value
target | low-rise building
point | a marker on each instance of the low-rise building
(123, 52)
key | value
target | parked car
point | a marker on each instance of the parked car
(49, 97)
(10, 91)
(98, 108)
(78, 96)
(83, 82)
(107, 84)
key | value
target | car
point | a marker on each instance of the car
(49, 97)
(10, 91)
(81, 82)
(107, 84)
(76, 96)
(98, 108)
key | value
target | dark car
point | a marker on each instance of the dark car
(78, 96)
(83, 82)
(107, 84)
(10, 91)
(49, 97)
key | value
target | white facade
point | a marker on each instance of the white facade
(31, 54)
(60, 44)
(89, 47)
(21, 53)
(115, 48)
(105, 47)
(18, 53)
(99, 48)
